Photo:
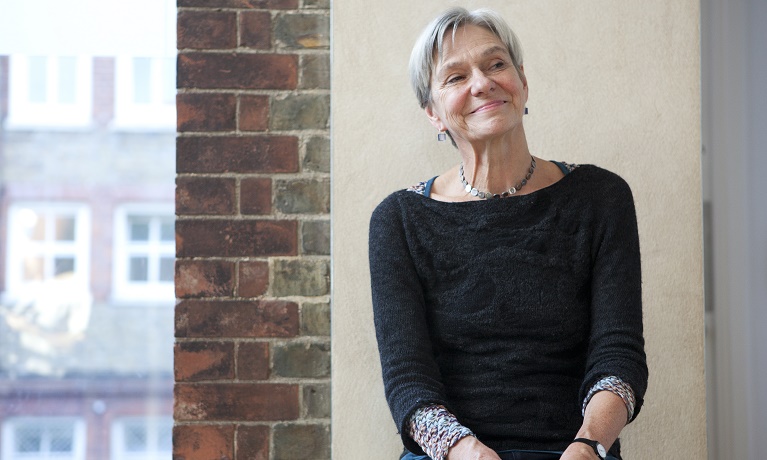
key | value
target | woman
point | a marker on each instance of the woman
(506, 291)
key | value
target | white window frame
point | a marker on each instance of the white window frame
(125, 291)
(118, 438)
(25, 114)
(17, 244)
(9, 438)
(155, 115)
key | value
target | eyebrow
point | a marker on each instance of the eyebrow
(490, 51)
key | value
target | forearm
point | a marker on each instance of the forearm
(604, 419)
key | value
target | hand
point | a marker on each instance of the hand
(469, 448)
(579, 451)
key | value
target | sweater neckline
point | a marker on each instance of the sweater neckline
(517, 198)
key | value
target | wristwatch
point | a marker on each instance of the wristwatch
(599, 449)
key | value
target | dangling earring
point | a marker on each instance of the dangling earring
(441, 136)
(525, 110)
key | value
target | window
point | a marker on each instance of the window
(43, 438)
(146, 93)
(49, 91)
(48, 248)
(147, 438)
(145, 249)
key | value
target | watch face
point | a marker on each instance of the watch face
(602, 451)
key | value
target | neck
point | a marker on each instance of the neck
(496, 165)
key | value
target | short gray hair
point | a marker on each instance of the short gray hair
(430, 41)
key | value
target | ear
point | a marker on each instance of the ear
(523, 78)
(434, 119)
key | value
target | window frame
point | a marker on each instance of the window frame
(9, 437)
(24, 114)
(79, 248)
(118, 438)
(153, 291)
(154, 116)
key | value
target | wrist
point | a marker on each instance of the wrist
(595, 447)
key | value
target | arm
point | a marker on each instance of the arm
(616, 345)
(605, 418)
(410, 374)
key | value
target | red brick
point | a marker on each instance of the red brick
(235, 238)
(254, 279)
(256, 196)
(231, 319)
(252, 443)
(254, 113)
(256, 29)
(203, 442)
(206, 30)
(205, 196)
(204, 278)
(253, 361)
(255, 4)
(194, 361)
(237, 71)
(206, 112)
(235, 402)
(253, 154)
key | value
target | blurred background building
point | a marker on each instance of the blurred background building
(87, 142)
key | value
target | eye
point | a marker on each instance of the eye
(497, 65)
(454, 79)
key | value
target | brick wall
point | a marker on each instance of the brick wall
(252, 353)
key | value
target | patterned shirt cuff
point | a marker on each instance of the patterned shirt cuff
(616, 386)
(436, 430)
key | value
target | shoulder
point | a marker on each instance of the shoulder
(391, 209)
(601, 184)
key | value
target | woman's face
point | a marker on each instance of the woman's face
(476, 92)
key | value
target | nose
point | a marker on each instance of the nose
(480, 83)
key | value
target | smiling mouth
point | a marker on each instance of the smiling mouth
(489, 105)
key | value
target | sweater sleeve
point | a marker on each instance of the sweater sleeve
(616, 344)
(410, 374)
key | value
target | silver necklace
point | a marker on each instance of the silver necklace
(486, 195)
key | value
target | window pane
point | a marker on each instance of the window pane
(142, 80)
(38, 79)
(34, 224)
(139, 230)
(139, 269)
(28, 439)
(61, 438)
(34, 269)
(166, 269)
(169, 81)
(135, 438)
(65, 228)
(165, 438)
(63, 265)
(167, 230)
(67, 80)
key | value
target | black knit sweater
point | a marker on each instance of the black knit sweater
(507, 311)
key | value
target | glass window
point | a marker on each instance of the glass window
(49, 91)
(142, 438)
(146, 94)
(48, 249)
(144, 252)
(43, 438)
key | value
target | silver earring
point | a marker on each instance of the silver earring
(441, 136)
(525, 110)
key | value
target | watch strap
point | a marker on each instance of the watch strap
(594, 445)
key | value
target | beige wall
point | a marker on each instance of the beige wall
(611, 83)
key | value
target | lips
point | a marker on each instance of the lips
(488, 106)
